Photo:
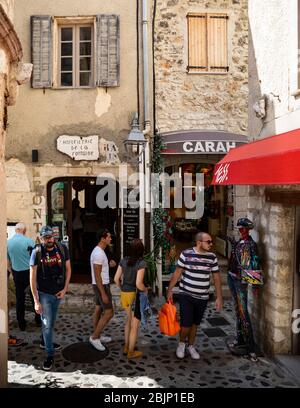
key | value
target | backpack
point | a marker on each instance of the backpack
(168, 323)
(40, 265)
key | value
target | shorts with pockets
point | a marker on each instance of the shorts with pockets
(98, 298)
(191, 310)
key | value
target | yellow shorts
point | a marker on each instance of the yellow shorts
(127, 298)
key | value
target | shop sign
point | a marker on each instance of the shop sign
(79, 147)
(201, 142)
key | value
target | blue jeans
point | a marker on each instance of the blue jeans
(50, 305)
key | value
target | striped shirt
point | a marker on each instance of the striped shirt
(195, 278)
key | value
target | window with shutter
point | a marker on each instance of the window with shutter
(75, 56)
(108, 50)
(207, 43)
(41, 51)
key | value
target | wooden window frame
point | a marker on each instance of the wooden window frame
(207, 69)
(75, 24)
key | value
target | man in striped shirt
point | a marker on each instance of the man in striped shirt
(193, 273)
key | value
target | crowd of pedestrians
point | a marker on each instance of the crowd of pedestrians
(46, 267)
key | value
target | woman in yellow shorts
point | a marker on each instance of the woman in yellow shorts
(130, 271)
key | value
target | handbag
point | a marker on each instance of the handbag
(167, 317)
(252, 277)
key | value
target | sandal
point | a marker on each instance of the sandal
(14, 342)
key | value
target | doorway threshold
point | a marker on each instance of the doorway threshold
(289, 363)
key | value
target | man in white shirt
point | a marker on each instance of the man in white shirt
(100, 281)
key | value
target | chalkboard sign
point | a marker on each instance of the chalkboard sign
(131, 227)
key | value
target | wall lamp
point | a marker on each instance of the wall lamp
(135, 142)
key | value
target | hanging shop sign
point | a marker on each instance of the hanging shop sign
(201, 142)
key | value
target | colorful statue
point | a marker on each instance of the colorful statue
(244, 269)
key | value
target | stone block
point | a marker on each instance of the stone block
(241, 191)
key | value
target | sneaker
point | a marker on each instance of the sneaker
(180, 351)
(105, 339)
(56, 346)
(253, 357)
(134, 354)
(193, 352)
(48, 364)
(97, 344)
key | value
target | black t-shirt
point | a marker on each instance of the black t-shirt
(50, 277)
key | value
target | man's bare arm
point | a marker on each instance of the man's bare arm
(175, 278)
(33, 287)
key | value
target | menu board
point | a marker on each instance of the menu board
(131, 227)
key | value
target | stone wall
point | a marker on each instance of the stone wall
(205, 101)
(271, 309)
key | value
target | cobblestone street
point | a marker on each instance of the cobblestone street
(158, 367)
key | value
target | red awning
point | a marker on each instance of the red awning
(273, 160)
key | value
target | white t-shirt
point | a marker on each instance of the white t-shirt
(98, 257)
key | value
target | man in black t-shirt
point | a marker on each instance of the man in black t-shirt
(50, 273)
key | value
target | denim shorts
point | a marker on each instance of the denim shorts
(191, 310)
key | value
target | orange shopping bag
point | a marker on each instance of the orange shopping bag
(168, 323)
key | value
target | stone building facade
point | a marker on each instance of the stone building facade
(12, 74)
(194, 94)
(274, 109)
(62, 116)
(200, 101)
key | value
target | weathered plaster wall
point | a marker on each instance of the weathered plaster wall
(205, 101)
(41, 116)
(8, 7)
(273, 61)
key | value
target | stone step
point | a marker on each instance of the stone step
(80, 298)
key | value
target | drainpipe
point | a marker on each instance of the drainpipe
(144, 167)
(147, 129)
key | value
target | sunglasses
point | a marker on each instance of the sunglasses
(209, 241)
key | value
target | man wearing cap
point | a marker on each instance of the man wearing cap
(243, 269)
(19, 248)
(50, 273)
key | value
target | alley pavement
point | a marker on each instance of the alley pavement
(79, 365)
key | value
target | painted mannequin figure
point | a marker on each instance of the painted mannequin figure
(243, 269)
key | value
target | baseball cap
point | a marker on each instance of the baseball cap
(46, 231)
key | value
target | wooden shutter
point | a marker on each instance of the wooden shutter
(108, 50)
(41, 51)
(217, 42)
(197, 30)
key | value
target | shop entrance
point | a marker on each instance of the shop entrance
(217, 219)
(76, 218)
(296, 300)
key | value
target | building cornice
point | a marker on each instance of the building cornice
(9, 38)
